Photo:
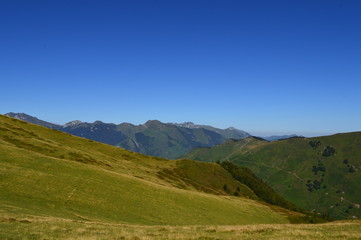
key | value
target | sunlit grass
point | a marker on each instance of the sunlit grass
(30, 227)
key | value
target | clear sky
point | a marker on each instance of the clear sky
(267, 67)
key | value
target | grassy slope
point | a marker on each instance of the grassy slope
(287, 166)
(25, 227)
(224, 151)
(47, 173)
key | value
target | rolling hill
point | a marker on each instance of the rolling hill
(320, 174)
(167, 140)
(46, 173)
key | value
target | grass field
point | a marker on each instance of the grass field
(30, 227)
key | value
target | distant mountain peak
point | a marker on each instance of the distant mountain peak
(186, 125)
(126, 124)
(33, 120)
(152, 122)
(20, 116)
(72, 123)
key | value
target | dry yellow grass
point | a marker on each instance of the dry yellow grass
(35, 227)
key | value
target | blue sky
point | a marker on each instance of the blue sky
(268, 67)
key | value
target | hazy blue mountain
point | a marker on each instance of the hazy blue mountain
(281, 137)
(168, 140)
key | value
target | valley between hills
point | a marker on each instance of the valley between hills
(54, 185)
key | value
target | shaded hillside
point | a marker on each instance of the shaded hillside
(262, 190)
(153, 138)
(321, 173)
(53, 174)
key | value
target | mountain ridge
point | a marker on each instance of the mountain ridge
(169, 140)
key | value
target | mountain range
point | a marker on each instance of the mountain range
(321, 174)
(167, 140)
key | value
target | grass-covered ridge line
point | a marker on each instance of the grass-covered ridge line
(167, 140)
(319, 174)
(51, 174)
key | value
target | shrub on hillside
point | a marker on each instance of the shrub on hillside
(314, 143)
(328, 151)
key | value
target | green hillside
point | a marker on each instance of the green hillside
(321, 174)
(46, 173)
